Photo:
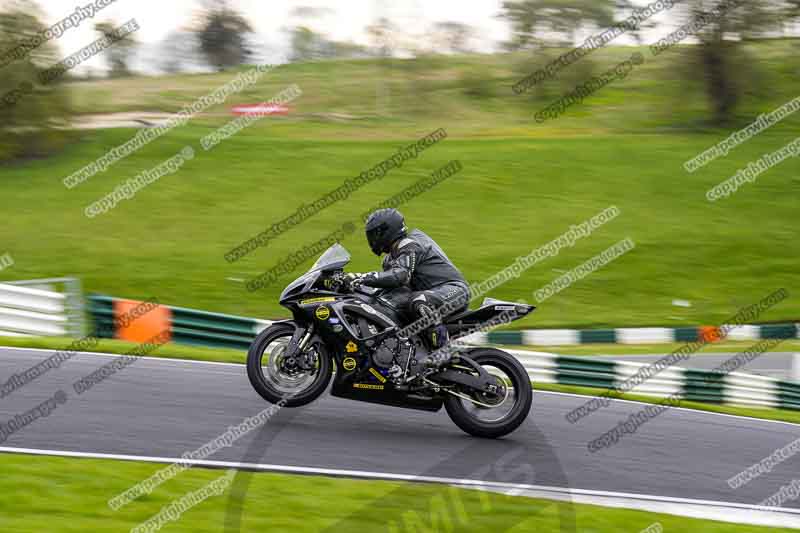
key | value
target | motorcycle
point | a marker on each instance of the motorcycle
(353, 333)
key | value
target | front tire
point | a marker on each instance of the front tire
(277, 382)
(474, 419)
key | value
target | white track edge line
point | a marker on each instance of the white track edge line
(393, 477)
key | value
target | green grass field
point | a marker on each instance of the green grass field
(522, 185)
(70, 495)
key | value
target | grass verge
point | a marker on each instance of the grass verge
(522, 185)
(68, 495)
(172, 350)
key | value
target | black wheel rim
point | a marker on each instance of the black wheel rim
(284, 374)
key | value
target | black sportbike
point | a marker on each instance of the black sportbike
(486, 391)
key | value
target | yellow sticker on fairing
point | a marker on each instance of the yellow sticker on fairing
(367, 386)
(317, 300)
(378, 375)
(322, 312)
(349, 363)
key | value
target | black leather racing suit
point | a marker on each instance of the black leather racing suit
(417, 263)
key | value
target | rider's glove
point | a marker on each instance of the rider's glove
(353, 281)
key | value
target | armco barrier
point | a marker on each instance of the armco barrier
(563, 337)
(32, 312)
(60, 298)
(188, 326)
(734, 388)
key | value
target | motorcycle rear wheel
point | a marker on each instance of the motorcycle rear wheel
(499, 414)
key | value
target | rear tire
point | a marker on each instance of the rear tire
(523, 391)
(268, 385)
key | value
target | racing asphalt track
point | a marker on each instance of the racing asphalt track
(163, 408)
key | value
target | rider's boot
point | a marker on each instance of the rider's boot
(439, 340)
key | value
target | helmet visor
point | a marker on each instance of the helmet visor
(376, 237)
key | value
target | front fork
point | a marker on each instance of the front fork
(295, 355)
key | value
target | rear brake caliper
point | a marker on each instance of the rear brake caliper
(494, 391)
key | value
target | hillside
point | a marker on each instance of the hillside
(522, 185)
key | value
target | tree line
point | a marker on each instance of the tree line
(220, 37)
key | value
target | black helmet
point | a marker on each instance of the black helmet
(384, 226)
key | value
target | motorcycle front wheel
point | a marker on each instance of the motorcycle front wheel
(279, 379)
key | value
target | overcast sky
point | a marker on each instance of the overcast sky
(345, 21)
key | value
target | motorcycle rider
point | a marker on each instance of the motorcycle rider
(414, 261)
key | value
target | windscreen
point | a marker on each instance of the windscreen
(334, 257)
